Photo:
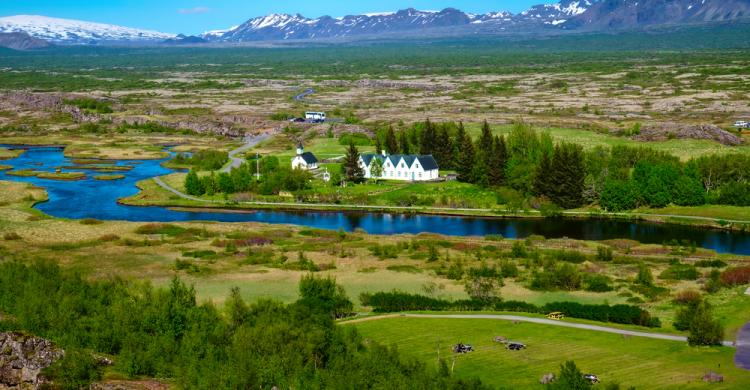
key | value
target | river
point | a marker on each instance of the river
(91, 198)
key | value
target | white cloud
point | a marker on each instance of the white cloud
(193, 11)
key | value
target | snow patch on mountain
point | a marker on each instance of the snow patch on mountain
(75, 31)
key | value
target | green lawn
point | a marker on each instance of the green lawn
(633, 361)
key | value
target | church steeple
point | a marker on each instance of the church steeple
(300, 149)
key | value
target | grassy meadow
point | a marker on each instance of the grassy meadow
(628, 361)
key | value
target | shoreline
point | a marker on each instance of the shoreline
(187, 204)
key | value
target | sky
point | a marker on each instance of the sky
(196, 16)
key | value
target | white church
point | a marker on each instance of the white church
(305, 161)
(405, 167)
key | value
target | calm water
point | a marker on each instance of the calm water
(98, 199)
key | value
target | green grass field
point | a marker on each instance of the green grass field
(632, 361)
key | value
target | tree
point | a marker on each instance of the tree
(644, 277)
(376, 168)
(193, 184)
(704, 330)
(497, 161)
(427, 140)
(325, 295)
(391, 145)
(486, 142)
(543, 185)
(619, 195)
(352, 170)
(378, 146)
(404, 143)
(443, 152)
(466, 160)
(568, 174)
(570, 378)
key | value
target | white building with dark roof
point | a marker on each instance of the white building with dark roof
(405, 167)
(304, 160)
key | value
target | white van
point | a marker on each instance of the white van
(742, 124)
(315, 116)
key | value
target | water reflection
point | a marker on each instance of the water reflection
(98, 199)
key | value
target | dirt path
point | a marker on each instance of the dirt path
(544, 321)
(742, 357)
(250, 142)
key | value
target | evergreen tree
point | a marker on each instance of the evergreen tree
(391, 145)
(543, 178)
(427, 141)
(564, 180)
(352, 170)
(193, 184)
(486, 142)
(404, 143)
(570, 378)
(378, 145)
(466, 160)
(443, 152)
(457, 141)
(497, 161)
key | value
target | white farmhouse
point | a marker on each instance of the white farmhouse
(304, 160)
(405, 167)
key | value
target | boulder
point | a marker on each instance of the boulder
(22, 359)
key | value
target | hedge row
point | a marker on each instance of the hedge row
(388, 302)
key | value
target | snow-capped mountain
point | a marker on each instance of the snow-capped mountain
(67, 31)
(285, 26)
(628, 14)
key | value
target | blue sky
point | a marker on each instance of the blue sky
(189, 16)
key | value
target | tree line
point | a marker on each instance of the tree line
(165, 333)
(618, 178)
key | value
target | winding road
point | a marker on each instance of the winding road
(234, 161)
(300, 97)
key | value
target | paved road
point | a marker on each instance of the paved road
(545, 321)
(300, 97)
(250, 143)
(742, 357)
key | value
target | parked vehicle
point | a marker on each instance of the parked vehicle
(592, 378)
(315, 117)
(515, 346)
(463, 348)
(742, 124)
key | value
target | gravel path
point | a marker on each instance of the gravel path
(304, 94)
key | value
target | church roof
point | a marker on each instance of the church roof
(309, 158)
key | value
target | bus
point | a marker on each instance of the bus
(315, 117)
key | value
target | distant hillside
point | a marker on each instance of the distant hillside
(21, 41)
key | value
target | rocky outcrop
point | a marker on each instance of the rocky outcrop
(22, 359)
(665, 131)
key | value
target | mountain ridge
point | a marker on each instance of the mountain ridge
(546, 19)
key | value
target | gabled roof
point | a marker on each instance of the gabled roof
(309, 158)
(368, 157)
(427, 161)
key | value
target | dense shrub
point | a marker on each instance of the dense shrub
(736, 276)
(710, 263)
(680, 272)
(203, 160)
(98, 106)
(598, 283)
(385, 302)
